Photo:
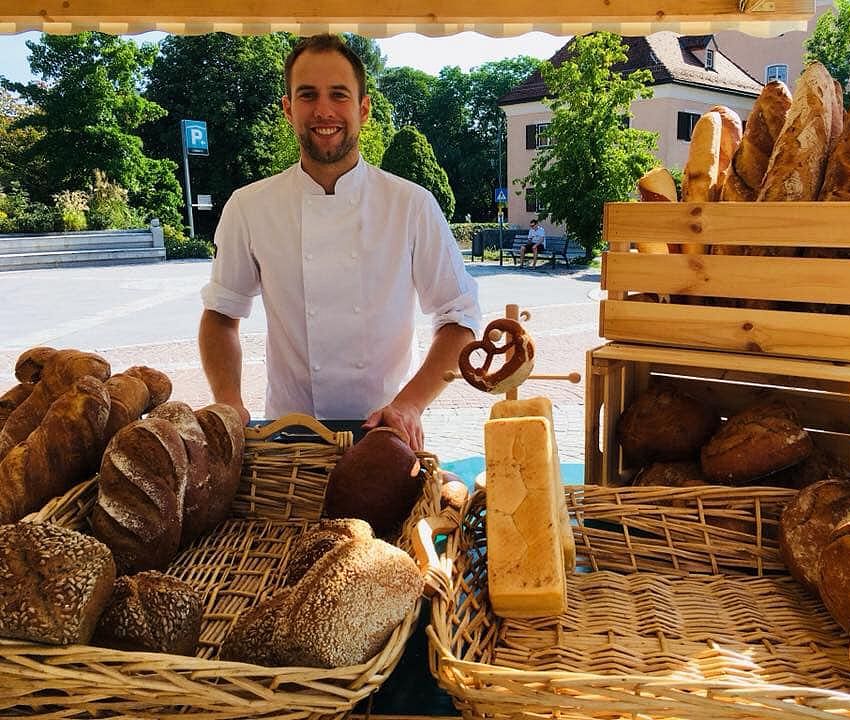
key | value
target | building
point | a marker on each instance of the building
(689, 75)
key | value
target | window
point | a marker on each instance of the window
(776, 72)
(685, 125)
(709, 59)
(532, 204)
(535, 136)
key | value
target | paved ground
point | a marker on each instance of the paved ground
(148, 314)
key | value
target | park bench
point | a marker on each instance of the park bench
(558, 247)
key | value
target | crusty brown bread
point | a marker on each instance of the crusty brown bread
(756, 442)
(376, 480)
(13, 397)
(128, 399)
(664, 424)
(819, 465)
(805, 527)
(797, 165)
(225, 435)
(319, 540)
(750, 161)
(63, 450)
(59, 372)
(834, 579)
(198, 490)
(656, 185)
(141, 486)
(151, 612)
(340, 613)
(684, 473)
(31, 362)
(836, 181)
(54, 583)
(701, 174)
(157, 382)
(730, 137)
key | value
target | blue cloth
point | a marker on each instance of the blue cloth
(468, 468)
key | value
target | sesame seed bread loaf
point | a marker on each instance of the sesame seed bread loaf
(312, 545)
(142, 483)
(249, 640)
(151, 612)
(62, 450)
(225, 436)
(198, 489)
(54, 583)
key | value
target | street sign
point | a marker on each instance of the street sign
(195, 137)
(501, 196)
(204, 202)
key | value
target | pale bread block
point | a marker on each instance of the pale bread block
(525, 561)
(542, 407)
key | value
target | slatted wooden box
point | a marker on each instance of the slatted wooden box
(811, 295)
(618, 373)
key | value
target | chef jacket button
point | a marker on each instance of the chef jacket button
(352, 201)
(316, 368)
(309, 256)
(311, 312)
(361, 365)
(356, 308)
(354, 254)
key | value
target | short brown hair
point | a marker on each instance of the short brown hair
(325, 42)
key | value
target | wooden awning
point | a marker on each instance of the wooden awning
(385, 18)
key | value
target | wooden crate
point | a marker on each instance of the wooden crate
(794, 330)
(618, 373)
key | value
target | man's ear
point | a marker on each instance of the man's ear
(287, 108)
(365, 107)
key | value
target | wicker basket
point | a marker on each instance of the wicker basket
(680, 608)
(237, 566)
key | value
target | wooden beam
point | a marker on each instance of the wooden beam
(385, 17)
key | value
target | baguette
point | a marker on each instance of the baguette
(836, 181)
(657, 185)
(731, 132)
(63, 450)
(702, 169)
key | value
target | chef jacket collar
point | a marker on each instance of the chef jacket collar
(347, 185)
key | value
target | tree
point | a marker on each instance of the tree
(89, 113)
(592, 157)
(409, 92)
(369, 52)
(830, 44)
(15, 141)
(236, 87)
(411, 156)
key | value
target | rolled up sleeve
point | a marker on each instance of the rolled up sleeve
(235, 278)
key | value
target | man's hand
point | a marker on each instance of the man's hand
(401, 416)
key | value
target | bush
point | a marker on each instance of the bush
(178, 246)
(109, 208)
(72, 206)
(464, 232)
(18, 214)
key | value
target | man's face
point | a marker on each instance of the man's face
(325, 110)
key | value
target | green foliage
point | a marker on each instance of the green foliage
(14, 140)
(592, 158)
(179, 246)
(72, 206)
(830, 44)
(109, 207)
(677, 174)
(411, 156)
(381, 113)
(464, 232)
(369, 52)
(409, 92)
(19, 214)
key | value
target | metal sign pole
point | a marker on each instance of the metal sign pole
(187, 184)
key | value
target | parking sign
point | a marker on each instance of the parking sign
(195, 137)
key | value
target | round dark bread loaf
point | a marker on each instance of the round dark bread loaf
(806, 525)
(54, 583)
(834, 580)
(340, 613)
(151, 612)
(664, 424)
(376, 480)
(225, 434)
(142, 483)
(819, 465)
(758, 441)
(319, 540)
(196, 500)
(685, 473)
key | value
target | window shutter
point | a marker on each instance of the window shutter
(531, 137)
(683, 126)
(530, 200)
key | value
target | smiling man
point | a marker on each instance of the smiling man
(340, 252)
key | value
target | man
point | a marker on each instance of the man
(340, 251)
(536, 242)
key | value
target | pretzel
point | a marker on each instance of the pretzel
(517, 367)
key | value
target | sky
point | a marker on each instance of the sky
(429, 54)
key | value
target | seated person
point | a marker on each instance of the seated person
(536, 242)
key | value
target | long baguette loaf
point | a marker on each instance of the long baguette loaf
(63, 450)
(702, 169)
(836, 181)
(657, 185)
(731, 131)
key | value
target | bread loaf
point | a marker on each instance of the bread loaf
(59, 372)
(526, 576)
(664, 424)
(13, 397)
(656, 185)
(31, 362)
(836, 181)
(321, 539)
(151, 612)
(158, 384)
(62, 451)
(750, 161)
(684, 473)
(796, 168)
(756, 442)
(340, 613)
(225, 436)
(805, 527)
(702, 169)
(142, 483)
(731, 131)
(128, 399)
(834, 579)
(198, 495)
(54, 583)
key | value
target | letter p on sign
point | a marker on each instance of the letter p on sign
(195, 137)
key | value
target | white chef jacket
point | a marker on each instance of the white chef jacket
(339, 276)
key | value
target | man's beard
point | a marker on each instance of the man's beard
(330, 156)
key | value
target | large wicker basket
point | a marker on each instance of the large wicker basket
(235, 567)
(680, 608)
